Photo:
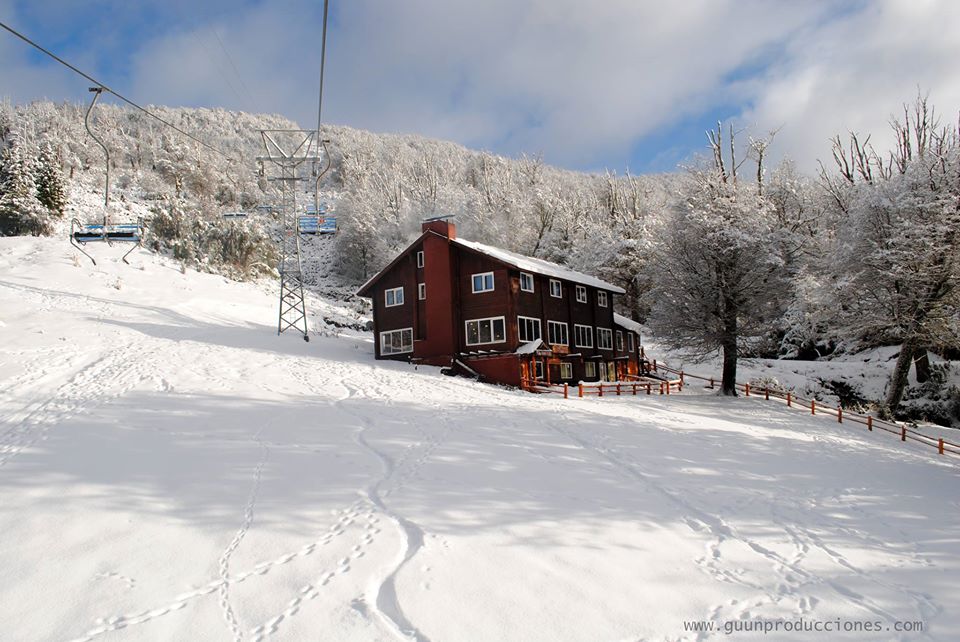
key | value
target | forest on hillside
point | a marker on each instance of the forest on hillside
(730, 255)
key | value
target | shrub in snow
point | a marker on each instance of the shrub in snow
(239, 249)
(20, 211)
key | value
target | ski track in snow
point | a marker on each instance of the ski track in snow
(224, 562)
(381, 595)
(105, 378)
(792, 576)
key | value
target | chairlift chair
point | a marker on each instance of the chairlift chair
(317, 221)
(83, 233)
(234, 215)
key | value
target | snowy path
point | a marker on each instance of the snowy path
(170, 469)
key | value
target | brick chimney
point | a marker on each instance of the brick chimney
(443, 227)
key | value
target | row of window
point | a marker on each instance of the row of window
(493, 330)
(483, 282)
(529, 329)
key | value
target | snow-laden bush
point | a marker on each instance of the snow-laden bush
(239, 249)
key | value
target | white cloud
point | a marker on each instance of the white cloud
(584, 83)
(853, 75)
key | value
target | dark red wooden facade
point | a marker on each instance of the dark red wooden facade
(440, 313)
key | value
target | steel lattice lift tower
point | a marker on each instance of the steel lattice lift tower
(290, 150)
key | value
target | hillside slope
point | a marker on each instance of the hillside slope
(172, 469)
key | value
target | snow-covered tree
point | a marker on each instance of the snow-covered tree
(720, 276)
(20, 211)
(899, 265)
(51, 188)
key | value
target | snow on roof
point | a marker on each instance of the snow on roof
(629, 324)
(538, 266)
(529, 347)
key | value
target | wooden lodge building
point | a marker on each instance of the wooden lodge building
(506, 317)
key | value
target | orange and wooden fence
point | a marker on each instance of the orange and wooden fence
(606, 388)
(647, 386)
(814, 407)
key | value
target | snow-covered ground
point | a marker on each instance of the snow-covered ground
(170, 469)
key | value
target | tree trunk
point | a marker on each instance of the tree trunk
(921, 360)
(898, 379)
(728, 386)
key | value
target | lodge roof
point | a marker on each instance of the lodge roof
(513, 259)
(538, 266)
(627, 324)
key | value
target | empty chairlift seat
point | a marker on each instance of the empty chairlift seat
(83, 233)
(316, 222)
(234, 215)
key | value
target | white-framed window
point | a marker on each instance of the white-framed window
(396, 341)
(393, 297)
(582, 336)
(482, 282)
(581, 294)
(526, 282)
(556, 290)
(619, 341)
(601, 298)
(557, 333)
(589, 369)
(604, 339)
(483, 331)
(421, 291)
(420, 259)
(528, 328)
(566, 370)
(630, 342)
(538, 369)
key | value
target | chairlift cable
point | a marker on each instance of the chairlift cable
(111, 91)
(323, 60)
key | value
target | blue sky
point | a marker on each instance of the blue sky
(617, 84)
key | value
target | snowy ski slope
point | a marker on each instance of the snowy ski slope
(170, 469)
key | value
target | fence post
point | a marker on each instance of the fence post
(668, 387)
(618, 388)
(870, 422)
(903, 433)
(565, 391)
(746, 389)
(711, 383)
(648, 387)
(654, 365)
(839, 414)
(580, 389)
(940, 446)
(813, 406)
(766, 394)
(661, 387)
(601, 389)
(634, 389)
(681, 377)
(788, 400)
